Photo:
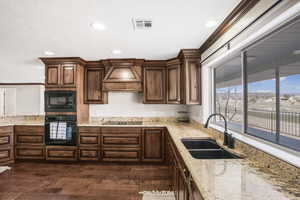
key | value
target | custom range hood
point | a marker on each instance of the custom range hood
(123, 75)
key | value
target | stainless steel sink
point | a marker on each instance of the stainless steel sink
(206, 149)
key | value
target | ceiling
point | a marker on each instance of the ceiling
(31, 27)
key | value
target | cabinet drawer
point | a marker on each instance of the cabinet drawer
(89, 140)
(63, 153)
(118, 154)
(30, 152)
(29, 139)
(6, 154)
(89, 130)
(29, 129)
(132, 140)
(6, 139)
(89, 154)
(6, 129)
(121, 130)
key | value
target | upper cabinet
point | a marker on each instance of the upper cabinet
(62, 72)
(155, 82)
(190, 63)
(94, 75)
(60, 75)
(123, 75)
(174, 82)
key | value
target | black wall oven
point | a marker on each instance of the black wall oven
(60, 101)
(60, 130)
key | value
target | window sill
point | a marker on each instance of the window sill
(285, 154)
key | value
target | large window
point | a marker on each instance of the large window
(228, 93)
(271, 93)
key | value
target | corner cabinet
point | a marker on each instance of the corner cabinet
(153, 140)
(93, 93)
(155, 82)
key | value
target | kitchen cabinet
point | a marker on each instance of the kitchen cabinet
(61, 153)
(121, 144)
(183, 185)
(174, 82)
(61, 75)
(29, 142)
(29, 135)
(89, 153)
(6, 145)
(89, 141)
(93, 93)
(31, 152)
(63, 72)
(191, 89)
(155, 82)
(153, 145)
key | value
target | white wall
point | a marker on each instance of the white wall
(23, 100)
(130, 104)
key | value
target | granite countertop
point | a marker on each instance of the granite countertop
(218, 179)
(22, 124)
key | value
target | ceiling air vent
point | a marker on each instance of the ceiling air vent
(141, 24)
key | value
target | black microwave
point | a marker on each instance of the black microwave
(60, 101)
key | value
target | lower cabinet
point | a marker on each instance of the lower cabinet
(61, 153)
(89, 153)
(6, 155)
(121, 154)
(153, 140)
(6, 145)
(183, 185)
(30, 152)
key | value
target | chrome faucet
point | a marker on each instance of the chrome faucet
(228, 139)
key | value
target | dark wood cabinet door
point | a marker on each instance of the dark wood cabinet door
(173, 84)
(153, 145)
(93, 86)
(154, 85)
(53, 75)
(68, 75)
(193, 82)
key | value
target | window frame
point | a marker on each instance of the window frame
(244, 77)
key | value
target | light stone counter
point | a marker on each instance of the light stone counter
(224, 179)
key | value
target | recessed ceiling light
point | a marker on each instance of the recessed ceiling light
(297, 52)
(116, 51)
(98, 26)
(211, 23)
(49, 53)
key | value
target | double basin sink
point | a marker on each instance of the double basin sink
(206, 149)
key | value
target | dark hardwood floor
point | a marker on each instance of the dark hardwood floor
(57, 181)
